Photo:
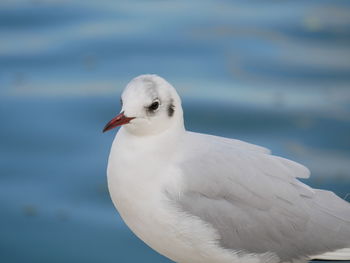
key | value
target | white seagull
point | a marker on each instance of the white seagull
(198, 198)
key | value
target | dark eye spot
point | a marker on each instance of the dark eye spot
(154, 106)
(171, 109)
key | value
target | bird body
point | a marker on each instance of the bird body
(146, 209)
(199, 198)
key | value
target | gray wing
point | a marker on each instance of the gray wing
(255, 201)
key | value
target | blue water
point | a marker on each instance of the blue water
(273, 73)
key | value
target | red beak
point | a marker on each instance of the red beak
(119, 120)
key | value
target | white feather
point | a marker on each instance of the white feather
(341, 254)
(201, 198)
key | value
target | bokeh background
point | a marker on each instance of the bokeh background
(274, 73)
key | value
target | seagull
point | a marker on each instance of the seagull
(198, 198)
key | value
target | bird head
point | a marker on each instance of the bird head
(150, 105)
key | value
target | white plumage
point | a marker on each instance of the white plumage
(198, 198)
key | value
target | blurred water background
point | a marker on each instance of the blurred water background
(275, 73)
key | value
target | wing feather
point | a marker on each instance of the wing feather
(254, 200)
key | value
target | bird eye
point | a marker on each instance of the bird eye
(154, 106)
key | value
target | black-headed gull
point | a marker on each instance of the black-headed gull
(198, 198)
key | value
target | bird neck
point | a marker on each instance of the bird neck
(164, 141)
